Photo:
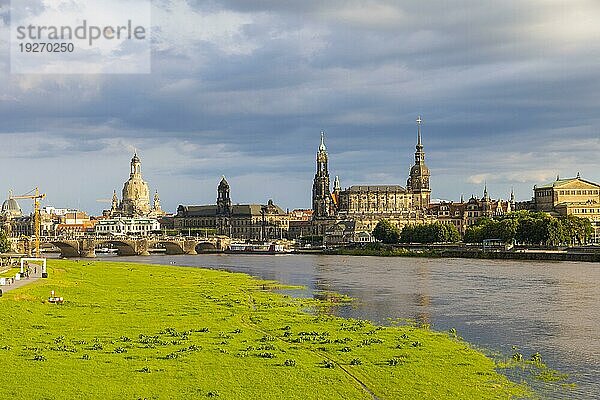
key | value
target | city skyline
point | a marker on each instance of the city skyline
(103, 203)
(508, 96)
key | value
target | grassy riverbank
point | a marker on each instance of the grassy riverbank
(132, 331)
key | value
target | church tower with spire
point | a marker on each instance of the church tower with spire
(486, 202)
(418, 182)
(321, 191)
(156, 208)
(512, 199)
(114, 202)
(223, 198)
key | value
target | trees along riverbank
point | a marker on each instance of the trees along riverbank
(531, 228)
(141, 331)
(435, 232)
(524, 227)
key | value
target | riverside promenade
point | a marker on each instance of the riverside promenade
(23, 281)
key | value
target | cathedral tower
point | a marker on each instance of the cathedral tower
(223, 198)
(321, 193)
(419, 175)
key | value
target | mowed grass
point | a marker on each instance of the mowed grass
(131, 331)
(9, 272)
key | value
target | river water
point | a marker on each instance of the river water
(548, 307)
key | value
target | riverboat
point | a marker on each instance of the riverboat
(255, 248)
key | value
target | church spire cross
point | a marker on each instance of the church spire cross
(419, 122)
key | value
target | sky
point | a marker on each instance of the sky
(508, 91)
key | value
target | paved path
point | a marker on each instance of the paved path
(24, 281)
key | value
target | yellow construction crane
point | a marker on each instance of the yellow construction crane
(36, 196)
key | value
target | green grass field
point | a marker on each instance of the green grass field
(9, 272)
(131, 331)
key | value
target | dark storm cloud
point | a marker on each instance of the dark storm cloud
(508, 91)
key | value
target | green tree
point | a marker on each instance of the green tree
(5, 246)
(451, 235)
(474, 234)
(429, 233)
(386, 232)
(527, 227)
(576, 230)
(506, 229)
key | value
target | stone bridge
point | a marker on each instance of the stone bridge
(128, 246)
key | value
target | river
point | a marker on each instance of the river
(547, 307)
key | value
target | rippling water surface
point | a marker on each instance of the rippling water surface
(550, 307)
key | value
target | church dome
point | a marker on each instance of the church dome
(136, 189)
(11, 207)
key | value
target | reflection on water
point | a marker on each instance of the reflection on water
(550, 307)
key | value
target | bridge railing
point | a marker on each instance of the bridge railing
(47, 239)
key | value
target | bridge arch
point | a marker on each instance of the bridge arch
(67, 249)
(173, 248)
(206, 247)
(123, 248)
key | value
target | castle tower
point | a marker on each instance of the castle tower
(223, 198)
(321, 194)
(419, 175)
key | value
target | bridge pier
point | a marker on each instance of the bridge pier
(189, 247)
(141, 247)
(88, 253)
(223, 243)
(87, 248)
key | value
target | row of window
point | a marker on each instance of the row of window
(578, 192)
(125, 228)
(548, 193)
(543, 193)
(586, 211)
(211, 223)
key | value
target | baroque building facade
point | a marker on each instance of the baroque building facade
(464, 214)
(571, 196)
(135, 200)
(366, 205)
(238, 221)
